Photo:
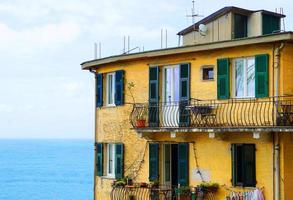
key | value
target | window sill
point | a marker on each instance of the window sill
(207, 80)
(110, 106)
(108, 177)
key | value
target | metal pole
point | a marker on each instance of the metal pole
(166, 38)
(161, 38)
(128, 43)
(124, 40)
(95, 50)
(100, 50)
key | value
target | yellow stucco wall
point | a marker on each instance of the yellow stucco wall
(213, 154)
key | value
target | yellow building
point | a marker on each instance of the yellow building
(216, 109)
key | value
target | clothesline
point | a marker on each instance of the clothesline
(247, 194)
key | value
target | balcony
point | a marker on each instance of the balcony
(265, 114)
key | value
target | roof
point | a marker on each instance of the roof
(222, 12)
(277, 37)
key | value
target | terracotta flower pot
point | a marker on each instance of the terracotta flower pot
(140, 123)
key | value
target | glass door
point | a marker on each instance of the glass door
(171, 96)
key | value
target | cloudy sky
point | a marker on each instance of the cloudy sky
(43, 92)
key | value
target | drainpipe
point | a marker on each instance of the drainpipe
(95, 148)
(276, 141)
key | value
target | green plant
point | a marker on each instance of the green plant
(154, 184)
(183, 190)
(119, 182)
(130, 87)
(209, 186)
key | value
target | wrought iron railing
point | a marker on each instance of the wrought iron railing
(160, 193)
(242, 113)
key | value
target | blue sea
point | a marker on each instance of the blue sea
(46, 169)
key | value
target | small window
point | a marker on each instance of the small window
(111, 160)
(243, 165)
(208, 73)
(110, 89)
(244, 77)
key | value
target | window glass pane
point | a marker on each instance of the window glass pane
(168, 89)
(207, 73)
(239, 168)
(251, 77)
(110, 159)
(176, 83)
(110, 89)
(239, 78)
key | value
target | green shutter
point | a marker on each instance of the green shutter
(99, 90)
(261, 76)
(119, 164)
(249, 179)
(119, 88)
(270, 24)
(99, 159)
(184, 94)
(183, 164)
(240, 26)
(153, 96)
(234, 164)
(223, 78)
(153, 161)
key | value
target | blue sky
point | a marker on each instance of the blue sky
(43, 92)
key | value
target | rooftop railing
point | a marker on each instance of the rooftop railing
(231, 113)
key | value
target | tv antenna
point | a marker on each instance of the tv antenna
(193, 14)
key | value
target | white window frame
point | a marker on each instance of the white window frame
(113, 89)
(245, 59)
(113, 148)
(207, 67)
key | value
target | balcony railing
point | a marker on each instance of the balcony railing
(232, 113)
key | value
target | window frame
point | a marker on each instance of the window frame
(113, 148)
(113, 89)
(207, 67)
(245, 88)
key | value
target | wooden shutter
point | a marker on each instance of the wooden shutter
(240, 26)
(99, 159)
(99, 90)
(154, 96)
(261, 75)
(153, 161)
(183, 164)
(119, 88)
(234, 164)
(223, 78)
(249, 179)
(270, 24)
(184, 94)
(119, 161)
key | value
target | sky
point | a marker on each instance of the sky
(43, 91)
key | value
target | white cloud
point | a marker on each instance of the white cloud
(38, 38)
(4, 108)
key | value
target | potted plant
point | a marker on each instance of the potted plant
(182, 192)
(140, 120)
(209, 186)
(119, 183)
(154, 184)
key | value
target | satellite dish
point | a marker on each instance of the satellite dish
(202, 29)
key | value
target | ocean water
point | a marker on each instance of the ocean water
(46, 169)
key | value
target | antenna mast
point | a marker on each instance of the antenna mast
(193, 14)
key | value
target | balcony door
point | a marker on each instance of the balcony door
(170, 105)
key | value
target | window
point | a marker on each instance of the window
(270, 24)
(111, 160)
(207, 73)
(240, 26)
(110, 89)
(244, 77)
(243, 165)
